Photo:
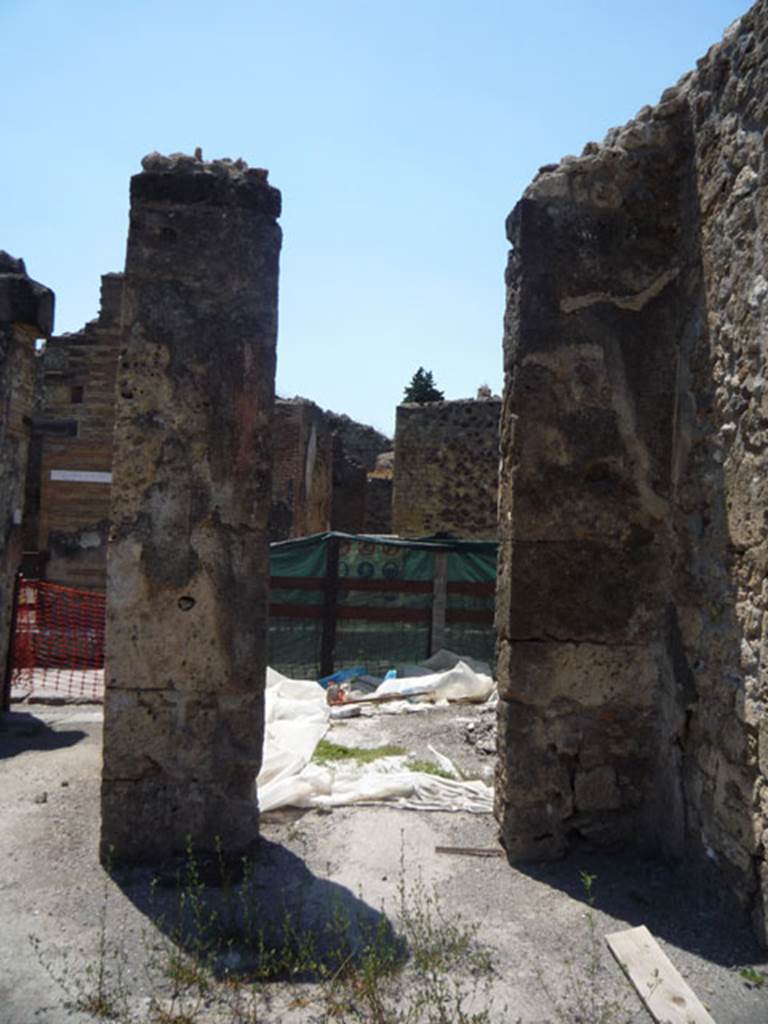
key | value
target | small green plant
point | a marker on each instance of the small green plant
(589, 988)
(753, 977)
(325, 752)
(213, 951)
(100, 989)
(588, 882)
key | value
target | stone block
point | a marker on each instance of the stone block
(26, 303)
(593, 676)
(551, 598)
(596, 789)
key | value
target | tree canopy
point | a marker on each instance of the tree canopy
(422, 388)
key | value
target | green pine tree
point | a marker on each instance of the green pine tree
(422, 388)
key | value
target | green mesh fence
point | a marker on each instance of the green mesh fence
(339, 600)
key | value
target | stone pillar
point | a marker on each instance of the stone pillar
(26, 313)
(188, 569)
(632, 601)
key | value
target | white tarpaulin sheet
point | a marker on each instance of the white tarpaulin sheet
(459, 682)
(297, 718)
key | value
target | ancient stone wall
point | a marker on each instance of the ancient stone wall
(362, 444)
(378, 503)
(26, 313)
(74, 425)
(188, 564)
(358, 506)
(632, 597)
(302, 480)
(348, 511)
(446, 469)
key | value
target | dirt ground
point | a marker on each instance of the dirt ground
(534, 920)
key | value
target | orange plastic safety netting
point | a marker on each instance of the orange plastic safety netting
(58, 641)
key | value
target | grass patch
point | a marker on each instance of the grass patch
(430, 768)
(326, 752)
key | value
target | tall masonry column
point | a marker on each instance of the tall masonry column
(26, 313)
(188, 560)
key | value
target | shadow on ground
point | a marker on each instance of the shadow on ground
(21, 731)
(264, 917)
(665, 898)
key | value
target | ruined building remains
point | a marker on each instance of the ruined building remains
(634, 489)
(188, 557)
(378, 494)
(362, 503)
(301, 470)
(446, 468)
(26, 314)
(69, 482)
(320, 473)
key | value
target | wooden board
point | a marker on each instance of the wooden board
(472, 851)
(659, 985)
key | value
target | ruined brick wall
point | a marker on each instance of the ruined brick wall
(26, 313)
(358, 507)
(74, 424)
(188, 561)
(301, 470)
(446, 468)
(631, 602)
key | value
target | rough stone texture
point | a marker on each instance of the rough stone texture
(350, 483)
(188, 558)
(320, 466)
(26, 313)
(446, 468)
(378, 503)
(358, 507)
(632, 596)
(72, 431)
(362, 444)
(302, 460)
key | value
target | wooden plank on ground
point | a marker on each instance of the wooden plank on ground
(472, 851)
(668, 998)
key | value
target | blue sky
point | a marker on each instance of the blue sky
(400, 134)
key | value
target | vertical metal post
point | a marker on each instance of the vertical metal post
(439, 601)
(328, 639)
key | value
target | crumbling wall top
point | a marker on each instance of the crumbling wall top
(180, 178)
(652, 126)
(23, 301)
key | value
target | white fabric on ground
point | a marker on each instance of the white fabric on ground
(460, 682)
(297, 718)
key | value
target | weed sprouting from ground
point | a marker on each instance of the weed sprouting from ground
(100, 988)
(588, 990)
(753, 977)
(222, 953)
